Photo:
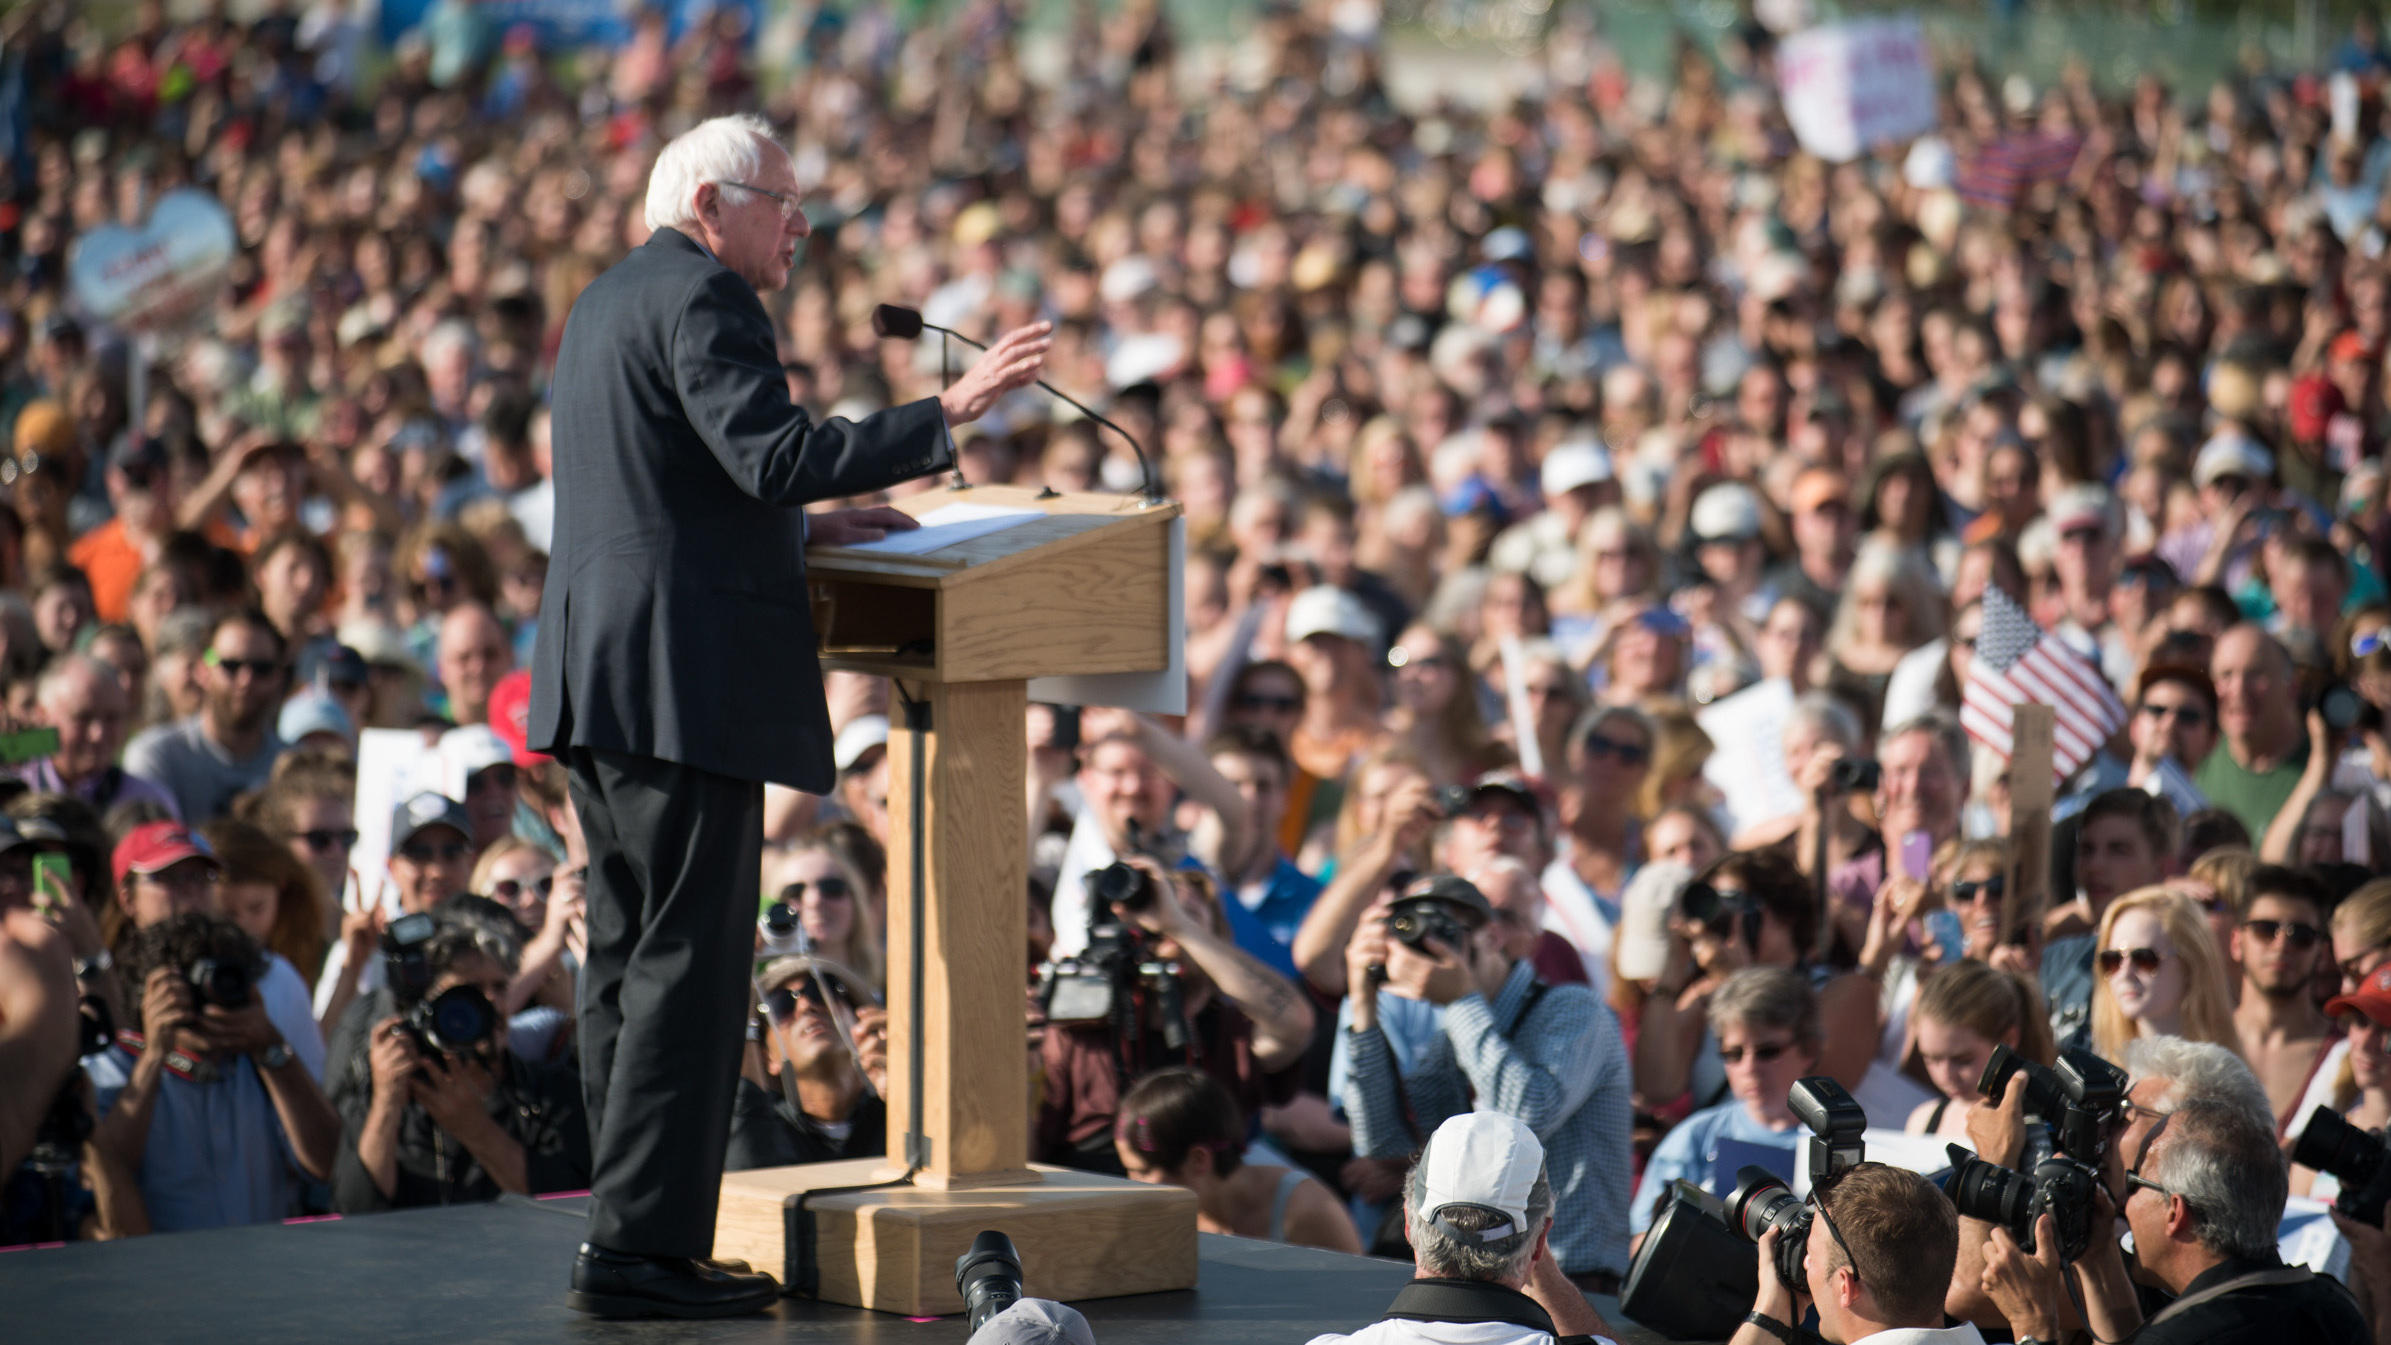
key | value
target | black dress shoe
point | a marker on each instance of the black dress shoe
(618, 1284)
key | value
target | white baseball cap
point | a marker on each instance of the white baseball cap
(862, 734)
(1728, 511)
(2232, 453)
(1326, 610)
(1643, 937)
(1574, 463)
(1483, 1159)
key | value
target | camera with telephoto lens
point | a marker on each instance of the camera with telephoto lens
(1125, 887)
(456, 1023)
(2355, 1157)
(222, 982)
(1693, 1275)
(2081, 1102)
(988, 1277)
(2058, 1185)
(1854, 775)
(1763, 1201)
(1106, 981)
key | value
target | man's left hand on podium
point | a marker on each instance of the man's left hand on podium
(847, 527)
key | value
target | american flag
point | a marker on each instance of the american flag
(2017, 663)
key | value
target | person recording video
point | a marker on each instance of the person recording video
(1158, 984)
(1878, 1257)
(815, 1084)
(449, 1115)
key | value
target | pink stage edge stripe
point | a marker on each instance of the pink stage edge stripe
(562, 1195)
(30, 1247)
(312, 1219)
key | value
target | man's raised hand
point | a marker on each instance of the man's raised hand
(1013, 362)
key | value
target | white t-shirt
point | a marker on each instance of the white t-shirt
(1396, 1331)
(284, 993)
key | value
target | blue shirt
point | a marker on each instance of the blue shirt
(1263, 917)
(1559, 1066)
(216, 1155)
(1690, 1152)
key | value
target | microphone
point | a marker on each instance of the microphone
(895, 322)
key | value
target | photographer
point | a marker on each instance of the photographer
(806, 1096)
(450, 1114)
(1550, 1056)
(1876, 1274)
(1236, 1020)
(207, 1104)
(1478, 1210)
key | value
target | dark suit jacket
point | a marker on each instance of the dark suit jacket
(675, 623)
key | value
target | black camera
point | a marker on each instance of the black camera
(1415, 922)
(1125, 887)
(404, 964)
(1114, 981)
(459, 1021)
(1693, 1275)
(2082, 1101)
(988, 1277)
(1854, 775)
(2014, 1200)
(1454, 800)
(223, 982)
(2332, 1144)
(783, 933)
(2344, 709)
(1722, 912)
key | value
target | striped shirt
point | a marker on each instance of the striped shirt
(1562, 1070)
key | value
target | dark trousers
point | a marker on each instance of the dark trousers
(674, 855)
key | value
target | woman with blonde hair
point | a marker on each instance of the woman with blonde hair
(1964, 1010)
(1435, 711)
(1616, 562)
(1680, 749)
(2159, 974)
(812, 878)
(1891, 605)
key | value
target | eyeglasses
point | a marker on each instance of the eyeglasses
(425, 852)
(511, 889)
(2192, 716)
(1285, 705)
(1764, 1053)
(2300, 936)
(2354, 970)
(790, 208)
(260, 668)
(327, 840)
(2145, 960)
(828, 889)
(1626, 754)
(1818, 1199)
(781, 1004)
(2133, 1175)
(1990, 889)
(14, 469)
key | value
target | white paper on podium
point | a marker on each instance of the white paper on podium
(947, 526)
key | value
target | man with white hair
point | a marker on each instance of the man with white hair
(1478, 1211)
(675, 672)
(87, 702)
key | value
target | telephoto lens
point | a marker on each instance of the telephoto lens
(1763, 1201)
(225, 984)
(456, 1021)
(988, 1277)
(2355, 1157)
(1125, 886)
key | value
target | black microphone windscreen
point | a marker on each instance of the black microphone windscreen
(894, 321)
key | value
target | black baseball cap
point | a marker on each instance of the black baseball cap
(1459, 893)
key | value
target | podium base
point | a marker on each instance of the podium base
(894, 1249)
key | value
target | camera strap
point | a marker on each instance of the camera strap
(1449, 1300)
(1537, 989)
(2271, 1277)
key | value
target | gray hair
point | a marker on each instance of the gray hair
(1438, 1253)
(70, 668)
(1825, 714)
(2224, 1163)
(1768, 997)
(2198, 1071)
(1946, 730)
(722, 150)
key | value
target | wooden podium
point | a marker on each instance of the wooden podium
(1085, 588)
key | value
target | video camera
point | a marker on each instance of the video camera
(988, 1277)
(1694, 1276)
(1105, 981)
(2082, 1102)
(2331, 1144)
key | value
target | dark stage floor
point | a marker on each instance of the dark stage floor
(496, 1273)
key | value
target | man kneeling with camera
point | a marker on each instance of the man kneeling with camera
(1878, 1273)
(450, 1114)
(1478, 1209)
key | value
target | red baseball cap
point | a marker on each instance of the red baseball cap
(2314, 403)
(2372, 998)
(510, 715)
(156, 846)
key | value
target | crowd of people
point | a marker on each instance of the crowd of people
(1591, 505)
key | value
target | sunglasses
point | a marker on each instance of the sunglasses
(1626, 754)
(2145, 960)
(781, 1004)
(424, 852)
(1764, 1054)
(1993, 888)
(2300, 936)
(326, 840)
(1252, 701)
(233, 667)
(2191, 715)
(2354, 970)
(13, 470)
(2365, 642)
(509, 889)
(829, 889)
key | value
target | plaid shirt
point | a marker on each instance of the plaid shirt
(1563, 1070)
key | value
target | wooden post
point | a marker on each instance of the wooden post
(2031, 782)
